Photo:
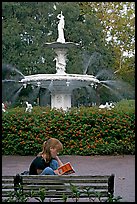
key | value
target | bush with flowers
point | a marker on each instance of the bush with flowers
(83, 131)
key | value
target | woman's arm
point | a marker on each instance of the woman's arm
(60, 164)
(59, 161)
(39, 171)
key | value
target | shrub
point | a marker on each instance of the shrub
(83, 131)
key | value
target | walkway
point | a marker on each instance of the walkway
(122, 166)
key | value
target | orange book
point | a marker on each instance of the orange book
(66, 169)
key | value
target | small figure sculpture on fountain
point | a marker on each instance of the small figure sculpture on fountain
(3, 107)
(29, 107)
(107, 106)
(61, 28)
(60, 63)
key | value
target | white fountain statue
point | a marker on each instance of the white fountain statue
(60, 84)
(107, 106)
(3, 107)
(61, 28)
(60, 61)
(29, 107)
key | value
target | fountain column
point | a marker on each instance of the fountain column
(61, 98)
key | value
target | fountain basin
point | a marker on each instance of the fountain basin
(68, 80)
(59, 45)
(60, 86)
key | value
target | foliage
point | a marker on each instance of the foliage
(103, 132)
(42, 194)
(118, 21)
(16, 196)
(75, 192)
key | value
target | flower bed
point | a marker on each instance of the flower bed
(83, 131)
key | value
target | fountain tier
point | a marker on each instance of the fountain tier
(60, 86)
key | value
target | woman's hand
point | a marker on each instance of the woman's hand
(57, 172)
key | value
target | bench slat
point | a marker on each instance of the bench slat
(44, 181)
(8, 186)
(6, 181)
(66, 176)
(63, 186)
(7, 177)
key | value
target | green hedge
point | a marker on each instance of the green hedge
(83, 131)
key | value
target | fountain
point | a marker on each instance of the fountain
(60, 84)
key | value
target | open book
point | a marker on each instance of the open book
(66, 169)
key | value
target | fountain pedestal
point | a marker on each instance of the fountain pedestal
(61, 101)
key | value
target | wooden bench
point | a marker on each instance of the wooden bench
(62, 187)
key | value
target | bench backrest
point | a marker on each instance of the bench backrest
(55, 186)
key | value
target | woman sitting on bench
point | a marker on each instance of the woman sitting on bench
(47, 161)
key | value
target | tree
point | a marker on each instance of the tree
(118, 21)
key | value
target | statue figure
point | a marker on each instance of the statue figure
(60, 66)
(60, 61)
(29, 107)
(3, 107)
(107, 106)
(61, 28)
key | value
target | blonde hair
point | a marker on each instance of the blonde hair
(50, 143)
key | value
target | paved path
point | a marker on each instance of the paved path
(122, 166)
